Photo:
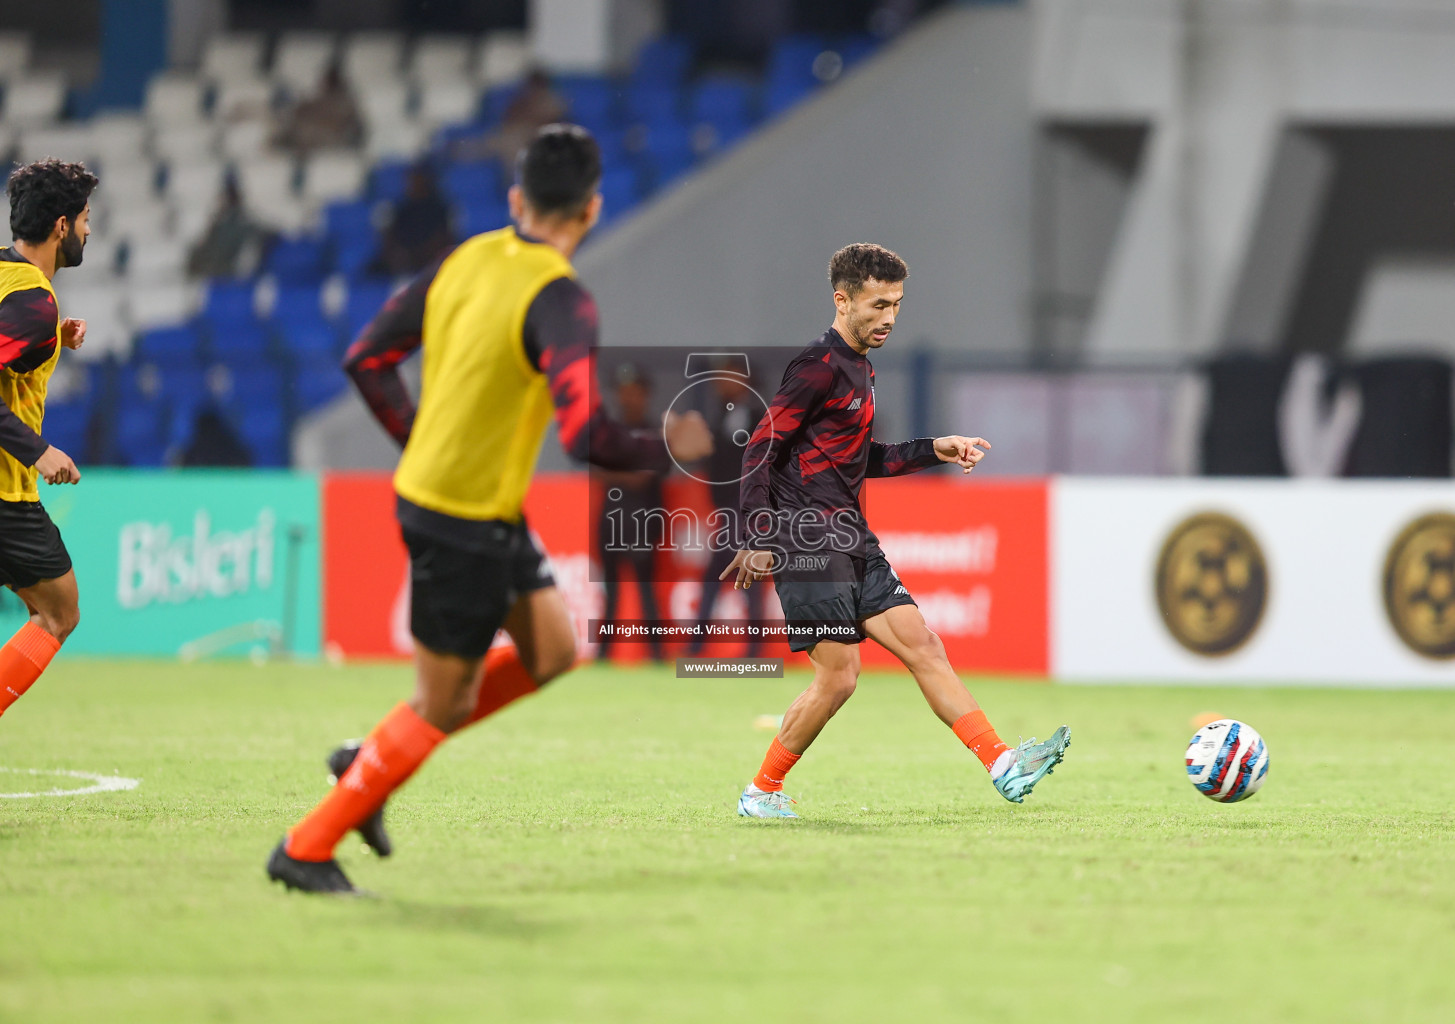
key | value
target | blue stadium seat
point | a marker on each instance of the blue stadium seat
(265, 431)
(619, 192)
(350, 217)
(389, 179)
(613, 146)
(722, 99)
(669, 152)
(653, 103)
(451, 134)
(353, 253)
(792, 59)
(364, 301)
(166, 344)
(297, 303)
(256, 385)
(298, 260)
(493, 105)
(309, 338)
(855, 48)
(141, 436)
(316, 382)
(67, 425)
(228, 301)
(240, 342)
(591, 100)
(779, 96)
(180, 383)
(473, 218)
(663, 61)
(472, 181)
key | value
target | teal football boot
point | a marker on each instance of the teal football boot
(1033, 762)
(758, 803)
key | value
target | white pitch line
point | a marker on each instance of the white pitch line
(103, 783)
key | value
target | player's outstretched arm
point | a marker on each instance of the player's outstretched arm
(923, 453)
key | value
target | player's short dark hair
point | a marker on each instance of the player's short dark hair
(854, 264)
(560, 169)
(41, 192)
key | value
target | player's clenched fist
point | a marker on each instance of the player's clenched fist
(56, 467)
(73, 332)
(688, 436)
(962, 451)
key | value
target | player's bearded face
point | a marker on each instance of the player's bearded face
(73, 246)
(872, 311)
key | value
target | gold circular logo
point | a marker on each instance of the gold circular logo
(1212, 583)
(1419, 585)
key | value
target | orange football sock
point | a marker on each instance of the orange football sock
(775, 767)
(506, 680)
(389, 755)
(975, 732)
(22, 660)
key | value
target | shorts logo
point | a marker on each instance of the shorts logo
(1419, 585)
(855, 404)
(1212, 584)
(900, 590)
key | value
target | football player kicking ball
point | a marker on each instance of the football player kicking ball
(803, 471)
(508, 337)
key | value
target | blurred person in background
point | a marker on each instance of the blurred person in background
(732, 424)
(50, 212)
(418, 232)
(629, 499)
(509, 340)
(328, 119)
(534, 105)
(234, 243)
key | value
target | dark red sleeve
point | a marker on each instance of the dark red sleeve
(560, 340)
(27, 340)
(806, 383)
(902, 458)
(372, 361)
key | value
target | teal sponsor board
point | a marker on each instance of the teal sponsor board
(190, 562)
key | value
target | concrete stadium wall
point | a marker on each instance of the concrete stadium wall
(926, 149)
(1219, 82)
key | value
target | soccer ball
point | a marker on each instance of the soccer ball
(1227, 761)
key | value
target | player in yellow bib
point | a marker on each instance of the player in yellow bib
(508, 337)
(50, 216)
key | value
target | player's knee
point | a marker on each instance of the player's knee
(554, 661)
(923, 650)
(839, 684)
(61, 624)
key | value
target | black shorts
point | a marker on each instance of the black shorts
(31, 548)
(827, 595)
(460, 595)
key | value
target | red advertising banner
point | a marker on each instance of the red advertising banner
(974, 556)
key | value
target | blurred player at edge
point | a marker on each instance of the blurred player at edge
(50, 213)
(804, 467)
(507, 333)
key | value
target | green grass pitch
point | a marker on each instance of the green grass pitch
(578, 859)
